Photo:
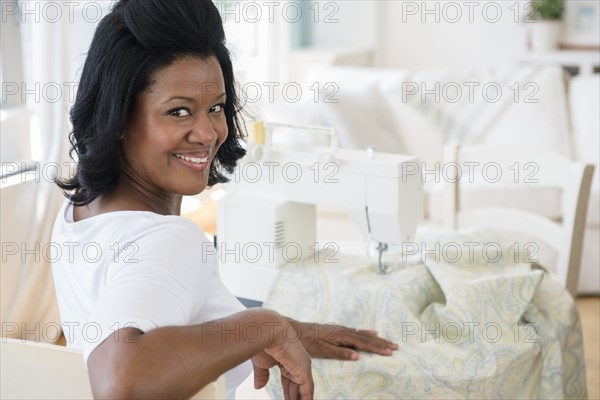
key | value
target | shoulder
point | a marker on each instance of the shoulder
(152, 231)
(168, 229)
(171, 237)
(133, 226)
(164, 255)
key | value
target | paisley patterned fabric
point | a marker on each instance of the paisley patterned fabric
(482, 325)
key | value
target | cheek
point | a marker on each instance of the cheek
(162, 143)
(222, 130)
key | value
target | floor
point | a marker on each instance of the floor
(589, 310)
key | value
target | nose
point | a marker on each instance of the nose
(202, 131)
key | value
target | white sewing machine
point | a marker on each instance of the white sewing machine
(268, 216)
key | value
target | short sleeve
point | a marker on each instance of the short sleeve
(161, 282)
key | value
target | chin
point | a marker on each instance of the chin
(192, 190)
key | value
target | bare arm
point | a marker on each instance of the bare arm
(177, 362)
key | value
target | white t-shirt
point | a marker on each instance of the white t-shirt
(136, 268)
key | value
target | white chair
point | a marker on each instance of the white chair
(534, 170)
(32, 370)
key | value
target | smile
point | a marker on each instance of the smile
(195, 160)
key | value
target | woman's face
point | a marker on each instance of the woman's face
(177, 127)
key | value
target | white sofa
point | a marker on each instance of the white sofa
(538, 107)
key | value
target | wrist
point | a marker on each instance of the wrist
(274, 328)
(302, 328)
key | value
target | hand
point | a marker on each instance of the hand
(294, 364)
(340, 342)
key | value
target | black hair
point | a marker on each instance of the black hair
(132, 42)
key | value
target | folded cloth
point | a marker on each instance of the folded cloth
(480, 327)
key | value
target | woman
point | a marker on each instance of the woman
(157, 117)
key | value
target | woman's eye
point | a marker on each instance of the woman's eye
(217, 108)
(180, 112)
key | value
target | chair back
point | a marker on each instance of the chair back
(32, 370)
(525, 168)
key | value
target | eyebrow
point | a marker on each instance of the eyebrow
(190, 99)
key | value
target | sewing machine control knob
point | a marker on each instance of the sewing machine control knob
(370, 152)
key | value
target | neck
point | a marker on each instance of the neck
(133, 193)
(127, 198)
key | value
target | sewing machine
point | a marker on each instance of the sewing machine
(268, 216)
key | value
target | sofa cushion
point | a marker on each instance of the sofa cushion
(530, 109)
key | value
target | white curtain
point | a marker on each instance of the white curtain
(28, 301)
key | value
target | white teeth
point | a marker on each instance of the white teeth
(192, 159)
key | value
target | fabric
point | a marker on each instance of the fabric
(135, 268)
(470, 324)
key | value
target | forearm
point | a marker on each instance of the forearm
(179, 361)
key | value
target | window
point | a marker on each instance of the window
(15, 116)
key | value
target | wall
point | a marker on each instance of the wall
(450, 34)
(344, 23)
(429, 34)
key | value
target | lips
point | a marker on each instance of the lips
(196, 161)
(195, 158)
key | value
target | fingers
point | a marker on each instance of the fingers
(361, 339)
(371, 344)
(339, 342)
(294, 391)
(306, 391)
(291, 389)
(295, 365)
(285, 385)
(327, 350)
(371, 334)
(261, 377)
(368, 340)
